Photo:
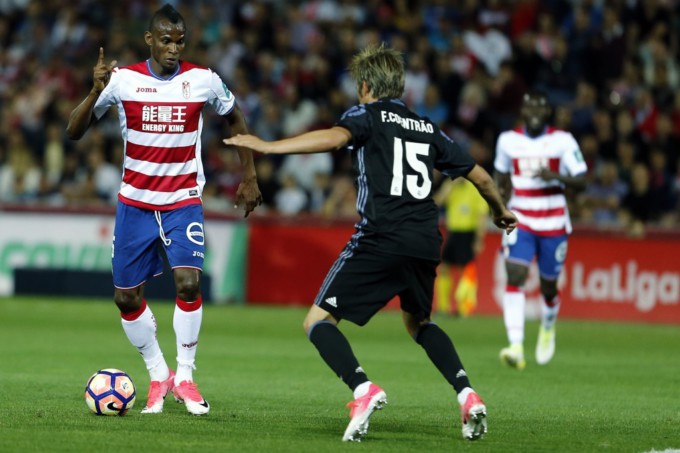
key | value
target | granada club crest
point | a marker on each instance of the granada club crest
(186, 89)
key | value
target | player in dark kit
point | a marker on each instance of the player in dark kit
(395, 249)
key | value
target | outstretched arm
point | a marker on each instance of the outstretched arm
(309, 142)
(248, 194)
(502, 217)
(82, 116)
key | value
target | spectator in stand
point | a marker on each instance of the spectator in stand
(298, 113)
(304, 167)
(489, 46)
(675, 115)
(659, 68)
(626, 158)
(105, 177)
(625, 129)
(589, 148)
(505, 96)
(461, 60)
(557, 75)
(291, 199)
(563, 118)
(433, 107)
(53, 158)
(663, 87)
(640, 204)
(624, 88)
(268, 124)
(604, 132)
(644, 115)
(341, 201)
(20, 176)
(579, 33)
(673, 217)
(602, 199)
(608, 49)
(471, 115)
(583, 108)
(417, 80)
(319, 193)
(69, 182)
(661, 180)
(526, 58)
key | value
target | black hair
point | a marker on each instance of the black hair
(166, 12)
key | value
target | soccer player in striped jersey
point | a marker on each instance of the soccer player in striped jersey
(159, 103)
(534, 164)
(396, 247)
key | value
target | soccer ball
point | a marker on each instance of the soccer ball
(110, 392)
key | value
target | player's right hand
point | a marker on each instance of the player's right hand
(101, 73)
(506, 220)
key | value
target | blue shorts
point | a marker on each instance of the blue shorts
(522, 247)
(139, 234)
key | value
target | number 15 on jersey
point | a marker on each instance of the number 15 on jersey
(413, 164)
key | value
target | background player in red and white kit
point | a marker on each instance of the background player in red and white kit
(159, 105)
(534, 164)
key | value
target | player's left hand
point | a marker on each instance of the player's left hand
(547, 175)
(247, 141)
(248, 195)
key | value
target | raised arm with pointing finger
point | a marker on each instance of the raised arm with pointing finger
(82, 115)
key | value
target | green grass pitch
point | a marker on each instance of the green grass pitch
(611, 387)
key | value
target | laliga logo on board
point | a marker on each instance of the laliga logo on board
(642, 288)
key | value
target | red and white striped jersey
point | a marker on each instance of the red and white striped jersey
(540, 206)
(161, 123)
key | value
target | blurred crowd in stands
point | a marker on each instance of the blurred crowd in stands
(610, 68)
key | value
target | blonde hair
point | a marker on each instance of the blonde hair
(382, 68)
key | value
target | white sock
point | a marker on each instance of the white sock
(361, 389)
(142, 334)
(549, 314)
(187, 325)
(462, 396)
(513, 314)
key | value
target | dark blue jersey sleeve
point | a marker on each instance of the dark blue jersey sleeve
(451, 159)
(358, 122)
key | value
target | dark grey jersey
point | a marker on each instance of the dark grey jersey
(394, 152)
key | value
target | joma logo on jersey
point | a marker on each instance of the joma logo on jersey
(146, 90)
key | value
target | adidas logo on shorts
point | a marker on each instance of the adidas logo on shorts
(332, 301)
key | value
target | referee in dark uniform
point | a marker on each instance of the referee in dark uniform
(395, 248)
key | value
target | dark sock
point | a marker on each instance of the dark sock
(337, 353)
(443, 354)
